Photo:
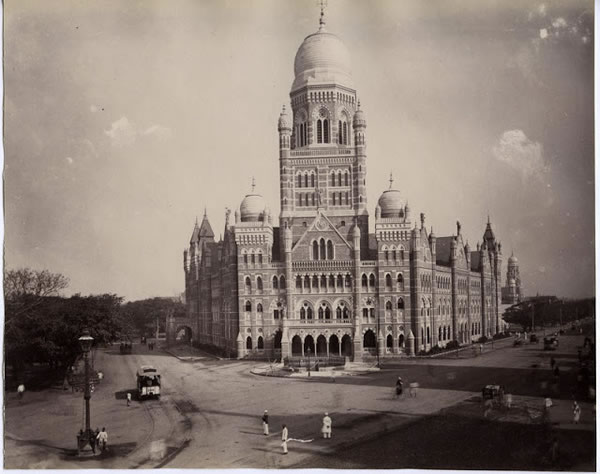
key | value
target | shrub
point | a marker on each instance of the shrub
(482, 339)
(452, 345)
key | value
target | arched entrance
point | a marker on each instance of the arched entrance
(334, 345)
(389, 343)
(277, 340)
(321, 346)
(401, 340)
(296, 346)
(369, 341)
(183, 334)
(346, 346)
(249, 343)
(309, 343)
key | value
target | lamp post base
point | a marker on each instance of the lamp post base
(86, 443)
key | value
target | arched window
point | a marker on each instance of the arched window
(365, 313)
(388, 282)
(252, 259)
(348, 281)
(322, 249)
(440, 334)
(260, 260)
(347, 197)
(400, 282)
(315, 281)
(313, 198)
(346, 179)
(332, 281)
(333, 197)
(339, 179)
(329, 250)
(259, 308)
(386, 255)
(248, 306)
(248, 285)
(298, 282)
(388, 305)
(306, 180)
(249, 343)
(345, 139)
(327, 313)
(364, 281)
(338, 313)
(246, 258)
(302, 313)
(260, 343)
(299, 180)
(319, 131)
(309, 313)
(340, 141)
(400, 303)
(333, 179)
(275, 283)
(312, 180)
(323, 281)
(326, 131)
(315, 246)
(340, 281)
(346, 313)
(282, 282)
(259, 284)
(307, 282)
(372, 280)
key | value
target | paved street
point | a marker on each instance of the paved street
(209, 415)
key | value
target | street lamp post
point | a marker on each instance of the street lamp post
(87, 437)
(308, 355)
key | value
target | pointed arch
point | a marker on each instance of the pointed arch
(330, 250)
(282, 283)
(259, 308)
(275, 283)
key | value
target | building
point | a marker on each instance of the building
(319, 281)
(512, 292)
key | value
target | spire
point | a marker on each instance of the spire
(204, 214)
(323, 4)
(253, 184)
(391, 180)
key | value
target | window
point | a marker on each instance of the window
(364, 281)
(260, 260)
(282, 282)
(319, 131)
(365, 313)
(321, 313)
(323, 281)
(327, 313)
(340, 136)
(348, 281)
(313, 199)
(315, 246)
(346, 313)
(343, 224)
(400, 282)
(248, 306)
(329, 250)
(252, 258)
(388, 282)
(312, 180)
(275, 283)
(298, 282)
(333, 179)
(259, 308)
(345, 140)
(249, 343)
(386, 255)
(260, 344)
(322, 249)
(309, 313)
(302, 313)
(345, 179)
(259, 283)
(315, 282)
(331, 281)
(333, 195)
(340, 281)
(248, 285)
(388, 305)
(400, 303)
(299, 180)
(307, 282)
(339, 178)
(338, 313)
(275, 314)
(326, 131)
(372, 280)
(347, 200)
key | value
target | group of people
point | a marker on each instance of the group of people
(97, 438)
(413, 386)
(325, 430)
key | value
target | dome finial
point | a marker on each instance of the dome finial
(391, 180)
(323, 4)
(253, 184)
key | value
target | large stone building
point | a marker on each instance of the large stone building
(512, 293)
(320, 281)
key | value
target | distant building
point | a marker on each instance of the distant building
(319, 281)
(512, 292)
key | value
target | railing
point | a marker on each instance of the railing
(322, 152)
(320, 321)
(315, 361)
(342, 265)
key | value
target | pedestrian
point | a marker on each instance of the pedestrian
(508, 400)
(547, 406)
(481, 348)
(102, 439)
(284, 439)
(128, 398)
(399, 387)
(556, 372)
(265, 422)
(20, 391)
(326, 428)
(576, 412)
(413, 389)
(552, 363)
(488, 405)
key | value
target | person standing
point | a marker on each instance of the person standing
(265, 422)
(20, 391)
(102, 439)
(552, 363)
(508, 400)
(128, 398)
(284, 439)
(399, 387)
(576, 412)
(326, 428)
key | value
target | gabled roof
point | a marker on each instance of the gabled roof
(443, 250)
(205, 228)
(312, 227)
(195, 233)
(489, 233)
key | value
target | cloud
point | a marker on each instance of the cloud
(543, 33)
(69, 160)
(124, 133)
(520, 153)
(542, 9)
(158, 131)
(560, 22)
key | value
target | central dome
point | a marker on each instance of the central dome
(322, 58)
(391, 203)
(252, 208)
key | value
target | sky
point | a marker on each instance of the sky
(125, 120)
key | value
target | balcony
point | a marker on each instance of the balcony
(318, 265)
(321, 152)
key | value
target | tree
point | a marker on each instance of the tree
(142, 314)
